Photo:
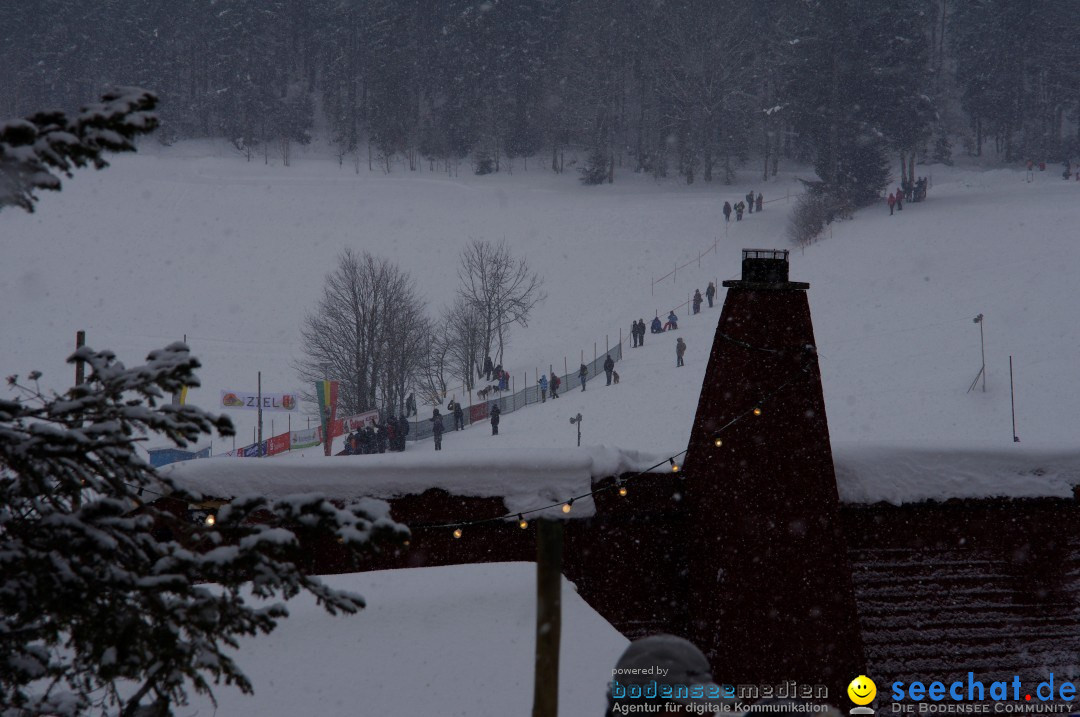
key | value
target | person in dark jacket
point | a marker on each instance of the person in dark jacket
(488, 368)
(391, 433)
(437, 429)
(739, 209)
(494, 413)
(609, 366)
(710, 292)
(459, 416)
(633, 335)
(697, 301)
(727, 211)
(657, 328)
(410, 405)
(760, 200)
(583, 374)
(891, 202)
(641, 332)
(680, 349)
(554, 384)
(403, 430)
(750, 201)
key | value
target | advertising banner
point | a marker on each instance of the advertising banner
(277, 444)
(250, 401)
(305, 438)
(352, 423)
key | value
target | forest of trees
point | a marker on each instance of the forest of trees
(681, 88)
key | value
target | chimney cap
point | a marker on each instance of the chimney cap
(766, 269)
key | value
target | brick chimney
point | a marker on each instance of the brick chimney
(771, 592)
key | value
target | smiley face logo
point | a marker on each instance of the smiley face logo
(862, 690)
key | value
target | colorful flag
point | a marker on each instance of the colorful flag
(327, 392)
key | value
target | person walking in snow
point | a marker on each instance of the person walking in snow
(554, 384)
(892, 203)
(727, 211)
(494, 413)
(437, 429)
(697, 301)
(760, 201)
(739, 209)
(710, 292)
(543, 383)
(488, 368)
(583, 374)
(750, 201)
(609, 366)
(680, 349)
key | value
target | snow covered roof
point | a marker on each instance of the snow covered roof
(524, 478)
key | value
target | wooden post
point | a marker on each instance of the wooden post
(80, 341)
(258, 443)
(549, 541)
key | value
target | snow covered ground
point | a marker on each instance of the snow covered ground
(190, 240)
(454, 642)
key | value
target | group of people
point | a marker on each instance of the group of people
(710, 293)
(909, 190)
(545, 384)
(378, 437)
(492, 372)
(751, 202)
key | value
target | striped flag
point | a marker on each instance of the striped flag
(327, 392)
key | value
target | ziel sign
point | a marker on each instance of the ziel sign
(270, 401)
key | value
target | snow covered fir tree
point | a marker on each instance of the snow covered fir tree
(471, 357)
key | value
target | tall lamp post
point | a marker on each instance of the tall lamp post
(982, 345)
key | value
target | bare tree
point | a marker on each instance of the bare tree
(464, 342)
(500, 289)
(365, 333)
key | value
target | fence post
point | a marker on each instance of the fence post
(607, 346)
(675, 273)
(594, 352)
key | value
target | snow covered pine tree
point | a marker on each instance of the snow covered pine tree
(105, 602)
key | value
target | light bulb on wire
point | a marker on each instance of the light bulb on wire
(674, 465)
(522, 523)
(568, 505)
(757, 410)
(457, 532)
(210, 519)
(718, 441)
(622, 491)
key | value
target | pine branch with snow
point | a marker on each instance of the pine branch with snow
(110, 603)
(33, 151)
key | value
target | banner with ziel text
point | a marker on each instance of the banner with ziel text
(250, 401)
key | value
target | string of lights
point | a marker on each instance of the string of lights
(620, 485)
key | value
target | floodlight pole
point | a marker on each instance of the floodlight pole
(982, 347)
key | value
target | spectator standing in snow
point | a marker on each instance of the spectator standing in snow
(437, 429)
(488, 368)
(899, 199)
(760, 201)
(641, 332)
(554, 384)
(410, 405)
(403, 430)
(727, 211)
(892, 203)
(459, 416)
(710, 292)
(697, 301)
(494, 413)
(391, 433)
(543, 383)
(680, 349)
(583, 374)
(609, 366)
(656, 327)
(672, 322)
(750, 201)
(739, 209)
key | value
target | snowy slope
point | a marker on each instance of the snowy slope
(180, 241)
(455, 642)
